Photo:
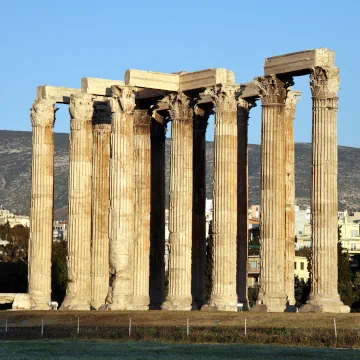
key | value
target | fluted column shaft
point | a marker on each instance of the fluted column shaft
(272, 231)
(223, 296)
(42, 195)
(242, 198)
(78, 292)
(100, 206)
(122, 198)
(157, 218)
(201, 115)
(324, 296)
(290, 109)
(142, 158)
(181, 191)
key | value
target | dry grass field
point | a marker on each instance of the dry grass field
(204, 327)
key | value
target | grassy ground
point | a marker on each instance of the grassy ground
(68, 350)
(196, 318)
(204, 327)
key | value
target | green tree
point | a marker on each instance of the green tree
(209, 263)
(345, 286)
(253, 293)
(356, 293)
(302, 291)
(59, 271)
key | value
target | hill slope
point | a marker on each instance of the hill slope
(15, 172)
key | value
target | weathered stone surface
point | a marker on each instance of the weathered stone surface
(100, 205)
(243, 110)
(42, 195)
(272, 233)
(152, 80)
(181, 191)
(299, 63)
(223, 296)
(142, 159)
(122, 199)
(58, 94)
(19, 301)
(292, 98)
(324, 296)
(78, 292)
(201, 115)
(206, 78)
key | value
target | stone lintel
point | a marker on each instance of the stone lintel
(152, 80)
(102, 88)
(97, 86)
(182, 81)
(60, 95)
(299, 63)
(206, 78)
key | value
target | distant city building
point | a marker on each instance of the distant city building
(60, 230)
(300, 269)
(8, 217)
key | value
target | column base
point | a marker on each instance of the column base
(221, 304)
(75, 304)
(97, 305)
(270, 305)
(177, 303)
(121, 303)
(141, 303)
(324, 305)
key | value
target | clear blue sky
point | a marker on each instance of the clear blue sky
(59, 42)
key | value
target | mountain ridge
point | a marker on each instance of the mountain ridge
(15, 172)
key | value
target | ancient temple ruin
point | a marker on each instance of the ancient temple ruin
(117, 188)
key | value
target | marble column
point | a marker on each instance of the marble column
(223, 296)
(157, 218)
(100, 205)
(181, 191)
(122, 199)
(290, 108)
(243, 110)
(78, 292)
(324, 296)
(42, 195)
(272, 296)
(142, 158)
(201, 115)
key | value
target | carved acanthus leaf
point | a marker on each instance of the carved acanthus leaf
(291, 100)
(123, 99)
(81, 107)
(224, 98)
(272, 89)
(43, 113)
(325, 82)
(179, 106)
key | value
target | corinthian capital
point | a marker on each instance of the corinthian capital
(325, 82)
(81, 107)
(43, 113)
(123, 99)
(179, 106)
(224, 98)
(272, 89)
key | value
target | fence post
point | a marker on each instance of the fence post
(6, 326)
(187, 327)
(130, 327)
(78, 324)
(42, 326)
(335, 329)
(245, 327)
